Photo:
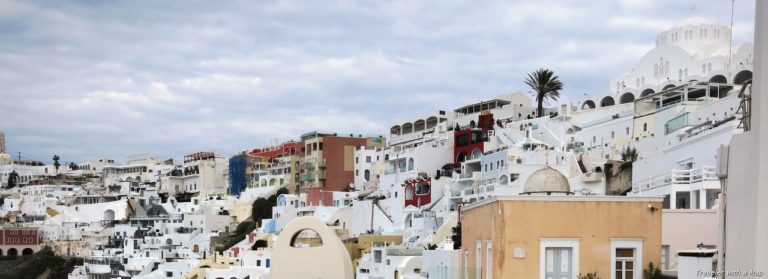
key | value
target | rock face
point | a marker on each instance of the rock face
(618, 178)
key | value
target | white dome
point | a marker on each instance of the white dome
(547, 180)
(694, 21)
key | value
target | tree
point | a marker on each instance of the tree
(13, 179)
(546, 85)
(629, 154)
(653, 272)
(56, 163)
(456, 236)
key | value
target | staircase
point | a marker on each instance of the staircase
(508, 136)
(376, 202)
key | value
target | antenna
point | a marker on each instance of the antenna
(693, 8)
(730, 40)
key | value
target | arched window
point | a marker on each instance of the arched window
(476, 154)
(306, 239)
(503, 180)
(742, 77)
(626, 98)
(607, 101)
(367, 175)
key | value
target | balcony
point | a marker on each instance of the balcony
(321, 164)
(676, 177)
(309, 165)
(321, 175)
(308, 177)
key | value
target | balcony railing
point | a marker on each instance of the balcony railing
(678, 177)
(308, 177)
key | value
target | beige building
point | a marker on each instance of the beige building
(550, 233)
(685, 229)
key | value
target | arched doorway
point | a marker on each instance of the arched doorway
(407, 128)
(395, 130)
(742, 77)
(27, 252)
(13, 252)
(626, 98)
(646, 92)
(461, 157)
(196, 248)
(718, 79)
(476, 153)
(419, 125)
(588, 104)
(431, 122)
(607, 101)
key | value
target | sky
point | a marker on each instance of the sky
(109, 79)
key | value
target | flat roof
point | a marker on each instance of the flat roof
(572, 198)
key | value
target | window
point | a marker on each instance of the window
(488, 262)
(665, 257)
(559, 257)
(466, 266)
(479, 259)
(645, 127)
(626, 255)
(625, 260)
(367, 159)
(357, 160)
(377, 256)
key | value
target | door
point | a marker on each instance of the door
(559, 263)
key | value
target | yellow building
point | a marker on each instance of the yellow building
(550, 233)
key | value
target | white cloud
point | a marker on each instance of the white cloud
(87, 80)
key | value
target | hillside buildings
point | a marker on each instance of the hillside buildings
(485, 190)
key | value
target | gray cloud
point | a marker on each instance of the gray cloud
(86, 79)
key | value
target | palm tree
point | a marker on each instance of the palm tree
(546, 85)
(56, 163)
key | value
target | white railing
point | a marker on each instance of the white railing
(678, 177)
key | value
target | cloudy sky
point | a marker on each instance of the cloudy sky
(91, 79)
